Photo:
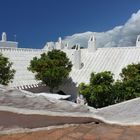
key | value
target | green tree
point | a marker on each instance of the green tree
(130, 72)
(84, 89)
(99, 92)
(51, 68)
(103, 90)
(129, 86)
(6, 73)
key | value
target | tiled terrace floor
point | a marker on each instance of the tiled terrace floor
(81, 132)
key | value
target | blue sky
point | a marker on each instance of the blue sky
(37, 21)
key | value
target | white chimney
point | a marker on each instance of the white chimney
(59, 45)
(138, 41)
(49, 46)
(92, 44)
(4, 37)
(77, 58)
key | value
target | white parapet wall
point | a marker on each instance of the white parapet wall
(8, 44)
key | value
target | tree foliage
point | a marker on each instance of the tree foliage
(129, 86)
(103, 90)
(99, 92)
(131, 71)
(6, 73)
(51, 68)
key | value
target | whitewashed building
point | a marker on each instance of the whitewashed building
(85, 61)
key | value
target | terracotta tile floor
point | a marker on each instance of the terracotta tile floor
(81, 132)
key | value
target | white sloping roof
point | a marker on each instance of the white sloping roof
(128, 113)
(21, 59)
(103, 59)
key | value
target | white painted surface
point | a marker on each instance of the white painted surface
(7, 44)
(92, 44)
(4, 37)
(54, 96)
(103, 59)
(21, 59)
(77, 58)
(138, 41)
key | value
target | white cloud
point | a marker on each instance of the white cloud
(119, 36)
